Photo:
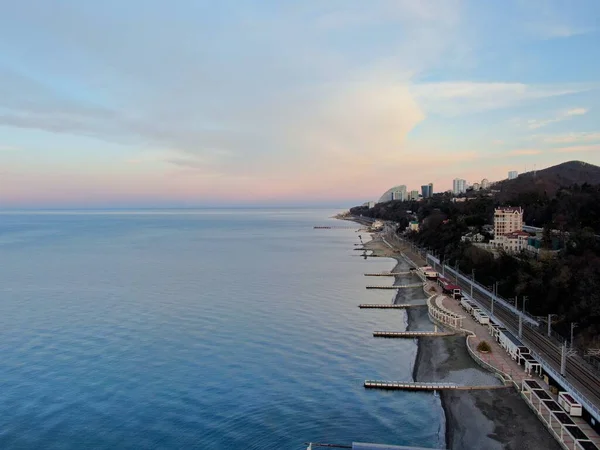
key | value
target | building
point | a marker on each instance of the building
(414, 195)
(413, 226)
(371, 204)
(427, 190)
(476, 186)
(507, 219)
(459, 186)
(512, 242)
(513, 174)
(473, 237)
(395, 193)
(485, 183)
(508, 229)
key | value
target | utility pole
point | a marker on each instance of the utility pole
(563, 359)
(494, 288)
(456, 272)
(472, 281)
(550, 323)
(520, 325)
(573, 326)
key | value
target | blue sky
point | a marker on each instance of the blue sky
(235, 102)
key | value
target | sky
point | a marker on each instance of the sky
(198, 103)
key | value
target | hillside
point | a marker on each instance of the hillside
(550, 180)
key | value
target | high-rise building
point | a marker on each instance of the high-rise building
(414, 195)
(476, 186)
(427, 190)
(485, 183)
(507, 219)
(513, 174)
(399, 193)
(459, 186)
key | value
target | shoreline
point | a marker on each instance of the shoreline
(493, 419)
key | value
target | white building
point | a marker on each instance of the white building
(473, 237)
(395, 193)
(459, 186)
(513, 174)
(513, 242)
(485, 183)
(476, 186)
(414, 195)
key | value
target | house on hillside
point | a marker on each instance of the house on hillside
(473, 237)
(512, 242)
(414, 226)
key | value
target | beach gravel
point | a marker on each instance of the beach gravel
(493, 419)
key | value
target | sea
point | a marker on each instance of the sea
(209, 329)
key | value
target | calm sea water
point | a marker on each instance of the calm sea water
(212, 329)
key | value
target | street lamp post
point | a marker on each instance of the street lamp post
(550, 323)
(573, 326)
(472, 281)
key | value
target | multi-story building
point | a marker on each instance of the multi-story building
(414, 195)
(513, 174)
(427, 190)
(476, 186)
(507, 219)
(485, 183)
(395, 193)
(459, 186)
(400, 194)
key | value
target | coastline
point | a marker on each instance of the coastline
(474, 419)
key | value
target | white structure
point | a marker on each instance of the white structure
(569, 404)
(395, 193)
(371, 205)
(377, 225)
(473, 237)
(513, 174)
(414, 195)
(513, 242)
(510, 343)
(459, 186)
(413, 226)
(485, 183)
(481, 317)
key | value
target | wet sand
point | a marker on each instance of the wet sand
(479, 419)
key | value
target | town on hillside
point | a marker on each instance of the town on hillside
(536, 236)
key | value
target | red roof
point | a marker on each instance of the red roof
(518, 233)
(453, 286)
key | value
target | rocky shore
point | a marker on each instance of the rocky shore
(478, 419)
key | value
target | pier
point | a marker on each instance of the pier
(410, 334)
(409, 386)
(400, 286)
(386, 306)
(386, 274)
